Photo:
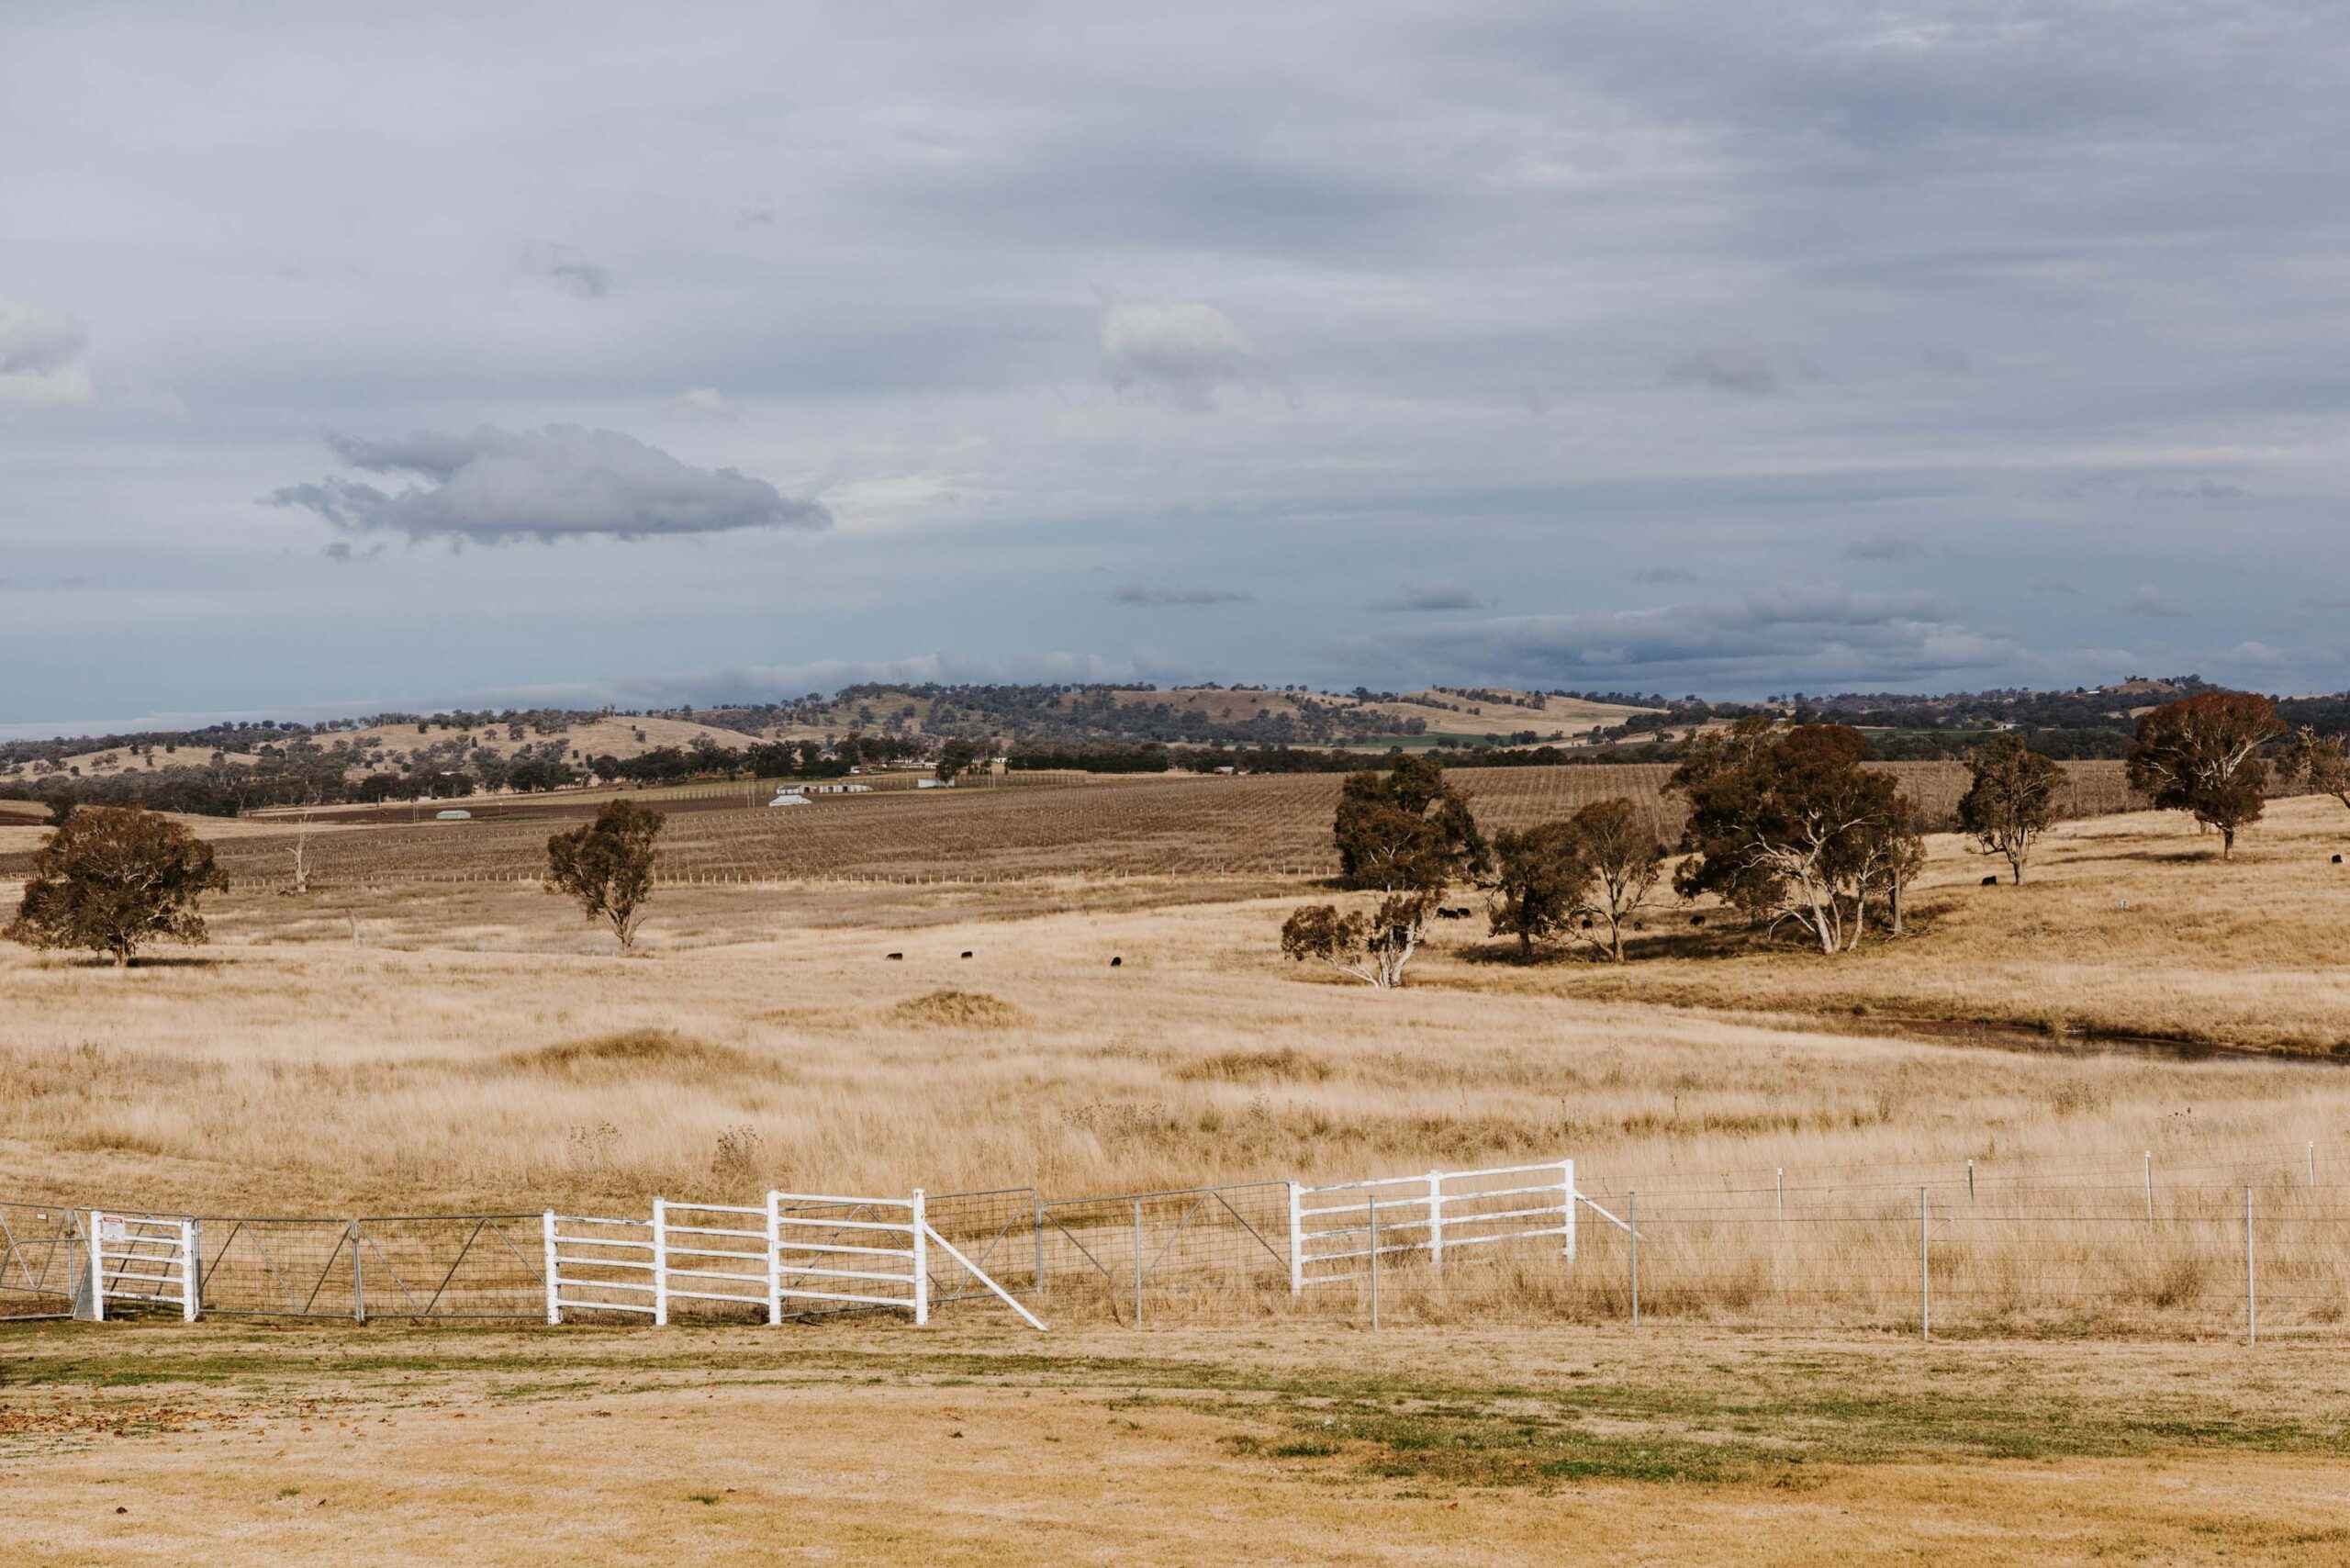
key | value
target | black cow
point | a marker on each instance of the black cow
(967, 955)
(1990, 881)
(1116, 961)
(897, 956)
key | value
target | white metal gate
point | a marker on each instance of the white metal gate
(144, 1261)
(1334, 1229)
(799, 1253)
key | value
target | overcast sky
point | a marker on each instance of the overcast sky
(651, 353)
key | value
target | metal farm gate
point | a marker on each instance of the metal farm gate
(1341, 1231)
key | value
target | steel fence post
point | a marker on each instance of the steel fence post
(1374, 1263)
(660, 1263)
(1970, 1181)
(775, 1257)
(2149, 1186)
(358, 1273)
(1779, 1196)
(1925, 1270)
(188, 1271)
(2312, 1162)
(1296, 1240)
(2251, 1300)
(1137, 1262)
(555, 1289)
(920, 1209)
(1038, 1201)
(1632, 1228)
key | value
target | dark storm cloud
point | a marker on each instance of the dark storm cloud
(563, 482)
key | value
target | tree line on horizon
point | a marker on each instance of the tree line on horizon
(1786, 827)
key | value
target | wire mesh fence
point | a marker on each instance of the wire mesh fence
(2244, 1243)
(44, 1261)
(1189, 1251)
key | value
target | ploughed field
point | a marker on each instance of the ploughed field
(1272, 825)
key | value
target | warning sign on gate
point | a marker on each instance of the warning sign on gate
(112, 1229)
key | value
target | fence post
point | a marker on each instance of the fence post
(1436, 1219)
(97, 1266)
(188, 1271)
(1296, 1239)
(2149, 1186)
(1779, 1196)
(1567, 1185)
(920, 1211)
(2251, 1301)
(1970, 1181)
(358, 1274)
(1925, 1269)
(1374, 1264)
(554, 1287)
(775, 1257)
(2312, 1162)
(1632, 1227)
(1137, 1262)
(1039, 1202)
(660, 1262)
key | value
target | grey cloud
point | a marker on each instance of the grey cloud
(1182, 349)
(1182, 598)
(563, 482)
(1428, 595)
(568, 268)
(2204, 489)
(1664, 574)
(1792, 632)
(40, 356)
(2152, 601)
(1727, 367)
(1884, 547)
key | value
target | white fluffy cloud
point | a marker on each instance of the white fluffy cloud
(562, 482)
(1182, 350)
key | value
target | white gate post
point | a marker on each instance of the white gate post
(660, 1262)
(188, 1271)
(1296, 1239)
(1567, 1203)
(554, 1292)
(775, 1257)
(1436, 1218)
(922, 1258)
(97, 1266)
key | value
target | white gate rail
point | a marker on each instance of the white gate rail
(142, 1259)
(1334, 1229)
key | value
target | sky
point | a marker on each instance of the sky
(364, 357)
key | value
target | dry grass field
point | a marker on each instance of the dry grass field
(388, 1043)
(874, 1445)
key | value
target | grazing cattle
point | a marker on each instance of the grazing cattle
(1990, 881)
(2337, 860)
(1696, 919)
(1639, 925)
(1115, 962)
(967, 955)
(897, 956)
(1586, 922)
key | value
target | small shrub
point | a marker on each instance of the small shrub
(956, 1010)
